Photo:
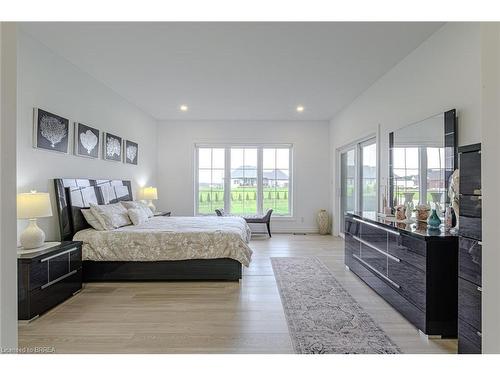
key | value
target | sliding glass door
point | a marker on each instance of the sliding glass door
(368, 201)
(358, 178)
(347, 183)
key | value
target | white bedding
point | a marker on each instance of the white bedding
(170, 238)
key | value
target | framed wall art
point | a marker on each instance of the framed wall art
(131, 152)
(86, 141)
(50, 131)
(112, 147)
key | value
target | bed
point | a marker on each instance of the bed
(163, 248)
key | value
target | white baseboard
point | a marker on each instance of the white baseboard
(289, 231)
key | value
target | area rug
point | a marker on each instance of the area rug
(322, 317)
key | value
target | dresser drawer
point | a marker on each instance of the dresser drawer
(58, 266)
(75, 259)
(470, 173)
(392, 296)
(38, 274)
(407, 249)
(471, 205)
(46, 298)
(411, 281)
(375, 259)
(351, 246)
(469, 339)
(469, 303)
(470, 227)
(373, 235)
(469, 262)
(351, 227)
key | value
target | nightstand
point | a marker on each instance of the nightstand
(163, 213)
(47, 277)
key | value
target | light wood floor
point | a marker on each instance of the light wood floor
(207, 317)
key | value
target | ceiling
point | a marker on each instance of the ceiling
(243, 71)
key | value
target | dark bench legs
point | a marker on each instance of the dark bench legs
(268, 228)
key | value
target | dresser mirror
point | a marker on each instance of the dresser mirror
(422, 157)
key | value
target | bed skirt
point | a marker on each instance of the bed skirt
(189, 270)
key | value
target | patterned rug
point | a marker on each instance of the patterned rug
(322, 317)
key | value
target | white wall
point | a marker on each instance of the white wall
(490, 101)
(47, 81)
(8, 256)
(441, 74)
(176, 140)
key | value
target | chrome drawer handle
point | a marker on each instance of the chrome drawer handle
(376, 226)
(477, 192)
(479, 289)
(376, 271)
(58, 279)
(376, 248)
(479, 334)
(480, 243)
(59, 254)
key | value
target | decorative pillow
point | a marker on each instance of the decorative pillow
(111, 216)
(138, 205)
(91, 219)
(137, 215)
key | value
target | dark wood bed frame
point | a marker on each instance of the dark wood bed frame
(74, 194)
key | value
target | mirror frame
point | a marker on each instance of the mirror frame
(450, 145)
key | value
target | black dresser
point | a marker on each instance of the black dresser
(469, 271)
(412, 268)
(48, 277)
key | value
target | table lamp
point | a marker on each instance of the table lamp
(32, 206)
(150, 193)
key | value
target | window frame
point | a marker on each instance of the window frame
(357, 145)
(423, 169)
(227, 175)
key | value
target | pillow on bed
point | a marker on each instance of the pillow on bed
(111, 216)
(138, 205)
(137, 215)
(91, 219)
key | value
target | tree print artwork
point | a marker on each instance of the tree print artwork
(51, 131)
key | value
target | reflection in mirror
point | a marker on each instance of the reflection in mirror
(422, 157)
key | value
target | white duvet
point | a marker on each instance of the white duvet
(170, 238)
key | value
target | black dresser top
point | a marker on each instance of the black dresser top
(65, 245)
(417, 229)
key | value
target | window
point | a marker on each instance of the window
(406, 174)
(369, 176)
(419, 175)
(211, 171)
(243, 197)
(244, 180)
(275, 179)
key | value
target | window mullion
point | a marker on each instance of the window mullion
(260, 173)
(422, 152)
(227, 179)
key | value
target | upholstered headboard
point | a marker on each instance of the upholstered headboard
(73, 194)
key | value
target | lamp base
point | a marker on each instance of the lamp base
(32, 237)
(151, 206)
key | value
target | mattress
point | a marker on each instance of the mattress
(170, 238)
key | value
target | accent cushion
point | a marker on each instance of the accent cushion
(137, 215)
(91, 219)
(111, 216)
(139, 205)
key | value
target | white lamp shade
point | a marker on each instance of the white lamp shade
(149, 193)
(33, 205)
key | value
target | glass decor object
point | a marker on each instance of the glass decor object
(434, 220)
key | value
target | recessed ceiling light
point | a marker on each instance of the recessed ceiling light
(300, 108)
(184, 108)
